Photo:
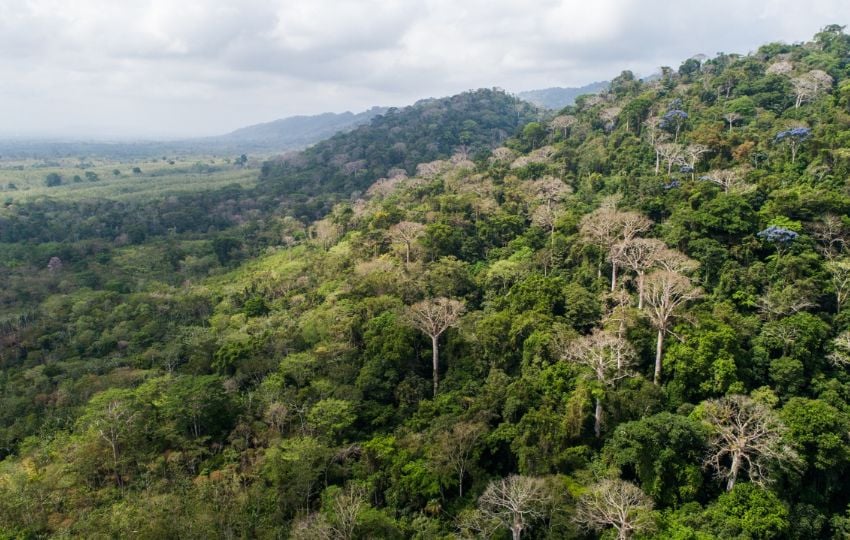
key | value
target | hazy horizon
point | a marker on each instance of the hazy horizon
(148, 69)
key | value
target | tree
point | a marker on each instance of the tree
(113, 415)
(794, 137)
(731, 118)
(563, 122)
(670, 152)
(607, 227)
(831, 235)
(609, 358)
(546, 217)
(52, 180)
(728, 179)
(809, 85)
(549, 190)
(656, 137)
(609, 116)
(457, 448)
(433, 317)
(666, 292)
(692, 153)
(745, 436)
(406, 232)
(639, 255)
(615, 503)
(665, 452)
(515, 502)
(839, 270)
(840, 355)
(674, 120)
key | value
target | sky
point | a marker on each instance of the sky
(178, 68)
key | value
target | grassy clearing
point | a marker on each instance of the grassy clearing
(25, 180)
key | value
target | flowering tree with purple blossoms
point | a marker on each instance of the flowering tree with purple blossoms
(673, 120)
(779, 236)
(794, 137)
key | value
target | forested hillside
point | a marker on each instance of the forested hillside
(625, 321)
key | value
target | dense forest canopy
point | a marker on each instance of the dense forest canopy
(625, 320)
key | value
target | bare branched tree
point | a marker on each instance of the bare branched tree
(840, 355)
(607, 228)
(746, 436)
(674, 260)
(546, 217)
(779, 301)
(781, 67)
(839, 270)
(347, 507)
(615, 503)
(563, 122)
(406, 232)
(515, 502)
(831, 235)
(639, 255)
(549, 190)
(731, 118)
(609, 358)
(728, 179)
(655, 136)
(433, 317)
(666, 292)
(810, 85)
(455, 449)
(692, 154)
(671, 153)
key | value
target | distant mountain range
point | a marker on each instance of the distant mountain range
(275, 137)
(294, 131)
(557, 97)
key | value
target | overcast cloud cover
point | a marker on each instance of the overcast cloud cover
(150, 68)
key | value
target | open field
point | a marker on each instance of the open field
(25, 180)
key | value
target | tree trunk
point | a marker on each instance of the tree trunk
(657, 162)
(597, 418)
(516, 531)
(118, 481)
(613, 276)
(733, 472)
(435, 360)
(659, 348)
(640, 290)
(407, 252)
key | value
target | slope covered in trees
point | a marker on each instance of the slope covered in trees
(628, 321)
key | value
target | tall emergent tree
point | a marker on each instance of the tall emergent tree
(608, 357)
(609, 228)
(638, 255)
(666, 292)
(433, 317)
(746, 436)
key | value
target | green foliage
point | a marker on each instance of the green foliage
(747, 511)
(663, 451)
(200, 352)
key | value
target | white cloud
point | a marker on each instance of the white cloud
(204, 66)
